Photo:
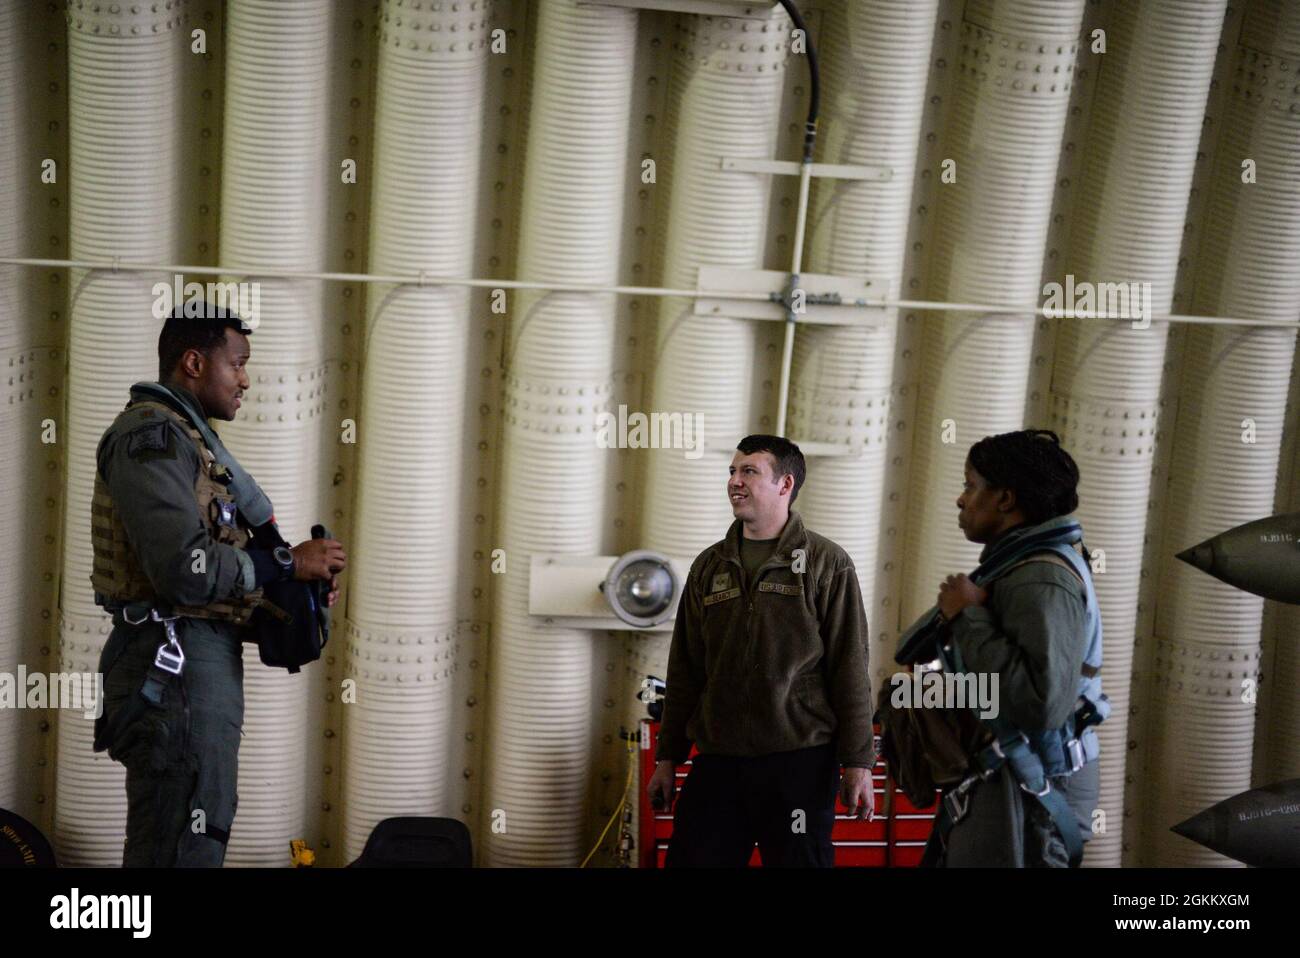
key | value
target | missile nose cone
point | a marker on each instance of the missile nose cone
(1200, 556)
(1259, 827)
(1261, 557)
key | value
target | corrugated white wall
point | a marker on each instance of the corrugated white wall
(1010, 94)
(557, 377)
(503, 712)
(402, 616)
(274, 166)
(1278, 750)
(15, 424)
(843, 383)
(124, 72)
(1105, 389)
(1226, 451)
(724, 100)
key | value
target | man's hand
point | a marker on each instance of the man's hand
(858, 794)
(663, 785)
(316, 559)
(956, 592)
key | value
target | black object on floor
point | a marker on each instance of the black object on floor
(417, 843)
(22, 845)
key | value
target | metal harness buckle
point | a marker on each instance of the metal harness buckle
(170, 657)
(1074, 752)
(169, 661)
(956, 803)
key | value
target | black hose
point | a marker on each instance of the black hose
(814, 100)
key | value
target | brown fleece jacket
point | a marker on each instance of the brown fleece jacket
(772, 665)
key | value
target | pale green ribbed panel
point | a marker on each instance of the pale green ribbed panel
(1206, 646)
(1140, 153)
(124, 73)
(877, 56)
(557, 378)
(402, 629)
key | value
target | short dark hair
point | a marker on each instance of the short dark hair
(787, 455)
(203, 332)
(1033, 465)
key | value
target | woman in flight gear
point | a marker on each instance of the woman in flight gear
(1029, 616)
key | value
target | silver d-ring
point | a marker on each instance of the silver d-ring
(130, 621)
(1047, 787)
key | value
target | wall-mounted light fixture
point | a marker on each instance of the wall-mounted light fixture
(637, 590)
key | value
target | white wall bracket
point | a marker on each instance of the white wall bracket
(828, 299)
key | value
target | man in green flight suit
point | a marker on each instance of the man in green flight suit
(184, 541)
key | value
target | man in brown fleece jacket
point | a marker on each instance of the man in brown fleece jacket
(767, 676)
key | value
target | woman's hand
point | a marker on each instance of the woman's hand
(956, 592)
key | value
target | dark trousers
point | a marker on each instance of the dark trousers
(1005, 828)
(181, 757)
(784, 801)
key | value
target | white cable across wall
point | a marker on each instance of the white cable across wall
(124, 130)
(557, 378)
(1012, 89)
(1227, 445)
(274, 165)
(1132, 203)
(404, 566)
(876, 62)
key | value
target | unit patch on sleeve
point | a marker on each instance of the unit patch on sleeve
(150, 441)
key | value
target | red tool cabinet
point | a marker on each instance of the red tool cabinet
(896, 838)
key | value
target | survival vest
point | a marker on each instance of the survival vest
(118, 576)
(1094, 706)
(1034, 757)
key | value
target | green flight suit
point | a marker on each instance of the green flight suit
(1032, 633)
(182, 755)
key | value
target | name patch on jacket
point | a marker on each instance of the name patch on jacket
(780, 588)
(721, 596)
